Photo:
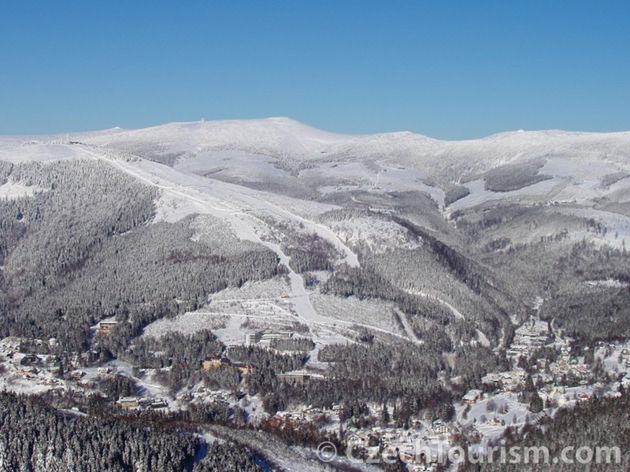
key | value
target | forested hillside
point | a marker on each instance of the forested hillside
(83, 249)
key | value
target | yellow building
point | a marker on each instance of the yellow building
(212, 364)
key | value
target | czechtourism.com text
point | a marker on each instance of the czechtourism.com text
(490, 455)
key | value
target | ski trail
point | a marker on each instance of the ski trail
(222, 207)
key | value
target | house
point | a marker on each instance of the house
(252, 338)
(128, 403)
(439, 427)
(212, 363)
(584, 397)
(105, 328)
(158, 403)
(296, 377)
(472, 397)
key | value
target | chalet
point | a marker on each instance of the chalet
(472, 397)
(105, 328)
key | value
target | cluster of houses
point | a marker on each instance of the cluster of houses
(37, 371)
(507, 381)
(528, 338)
(421, 447)
(381, 442)
(568, 366)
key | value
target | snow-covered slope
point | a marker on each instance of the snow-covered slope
(356, 199)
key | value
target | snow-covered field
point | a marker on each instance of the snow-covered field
(13, 190)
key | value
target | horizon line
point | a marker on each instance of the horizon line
(302, 123)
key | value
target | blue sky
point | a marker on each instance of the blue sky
(450, 70)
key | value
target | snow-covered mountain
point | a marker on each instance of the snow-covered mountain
(284, 138)
(404, 257)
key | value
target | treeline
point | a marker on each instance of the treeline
(228, 457)
(292, 344)
(5, 171)
(514, 176)
(37, 438)
(455, 192)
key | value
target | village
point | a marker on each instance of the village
(545, 375)
(529, 393)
